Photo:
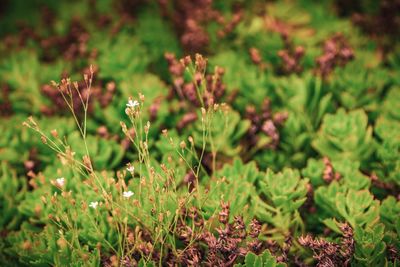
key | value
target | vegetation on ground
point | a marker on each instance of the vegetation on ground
(200, 133)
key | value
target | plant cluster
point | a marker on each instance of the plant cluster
(199, 133)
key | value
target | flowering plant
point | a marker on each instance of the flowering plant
(199, 133)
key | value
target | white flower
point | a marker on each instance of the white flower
(127, 194)
(60, 181)
(130, 169)
(94, 204)
(132, 103)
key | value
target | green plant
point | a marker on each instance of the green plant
(345, 135)
(265, 260)
(285, 192)
(278, 146)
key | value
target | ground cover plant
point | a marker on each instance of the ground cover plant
(200, 133)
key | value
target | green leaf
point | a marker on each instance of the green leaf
(345, 136)
(263, 260)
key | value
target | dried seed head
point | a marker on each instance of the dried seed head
(182, 145)
(255, 55)
(26, 245)
(38, 209)
(224, 213)
(54, 133)
(191, 141)
(200, 63)
(62, 243)
(141, 97)
(203, 112)
(87, 162)
(186, 61)
(44, 200)
(44, 140)
(255, 228)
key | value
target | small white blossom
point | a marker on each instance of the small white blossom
(60, 181)
(127, 194)
(94, 204)
(130, 169)
(132, 103)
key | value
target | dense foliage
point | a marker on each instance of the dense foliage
(200, 133)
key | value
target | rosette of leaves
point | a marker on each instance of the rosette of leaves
(263, 260)
(314, 171)
(370, 247)
(387, 130)
(345, 136)
(306, 99)
(241, 75)
(306, 96)
(359, 87)
(326, 197)
(16, 141)
(361, 211)
(293, 149)
(390, 107)
(153, 31)
(120, 57)
(349, 171)
(389, 212)
(393, 58)
(388, 149)
(23, 72)
(284, 192)
(355, 206)
(13, 141)
(238, 187)
(358, 207)
(295, 22)
(12, 190)
(253, 33)
(276, 160)
(294, 15)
